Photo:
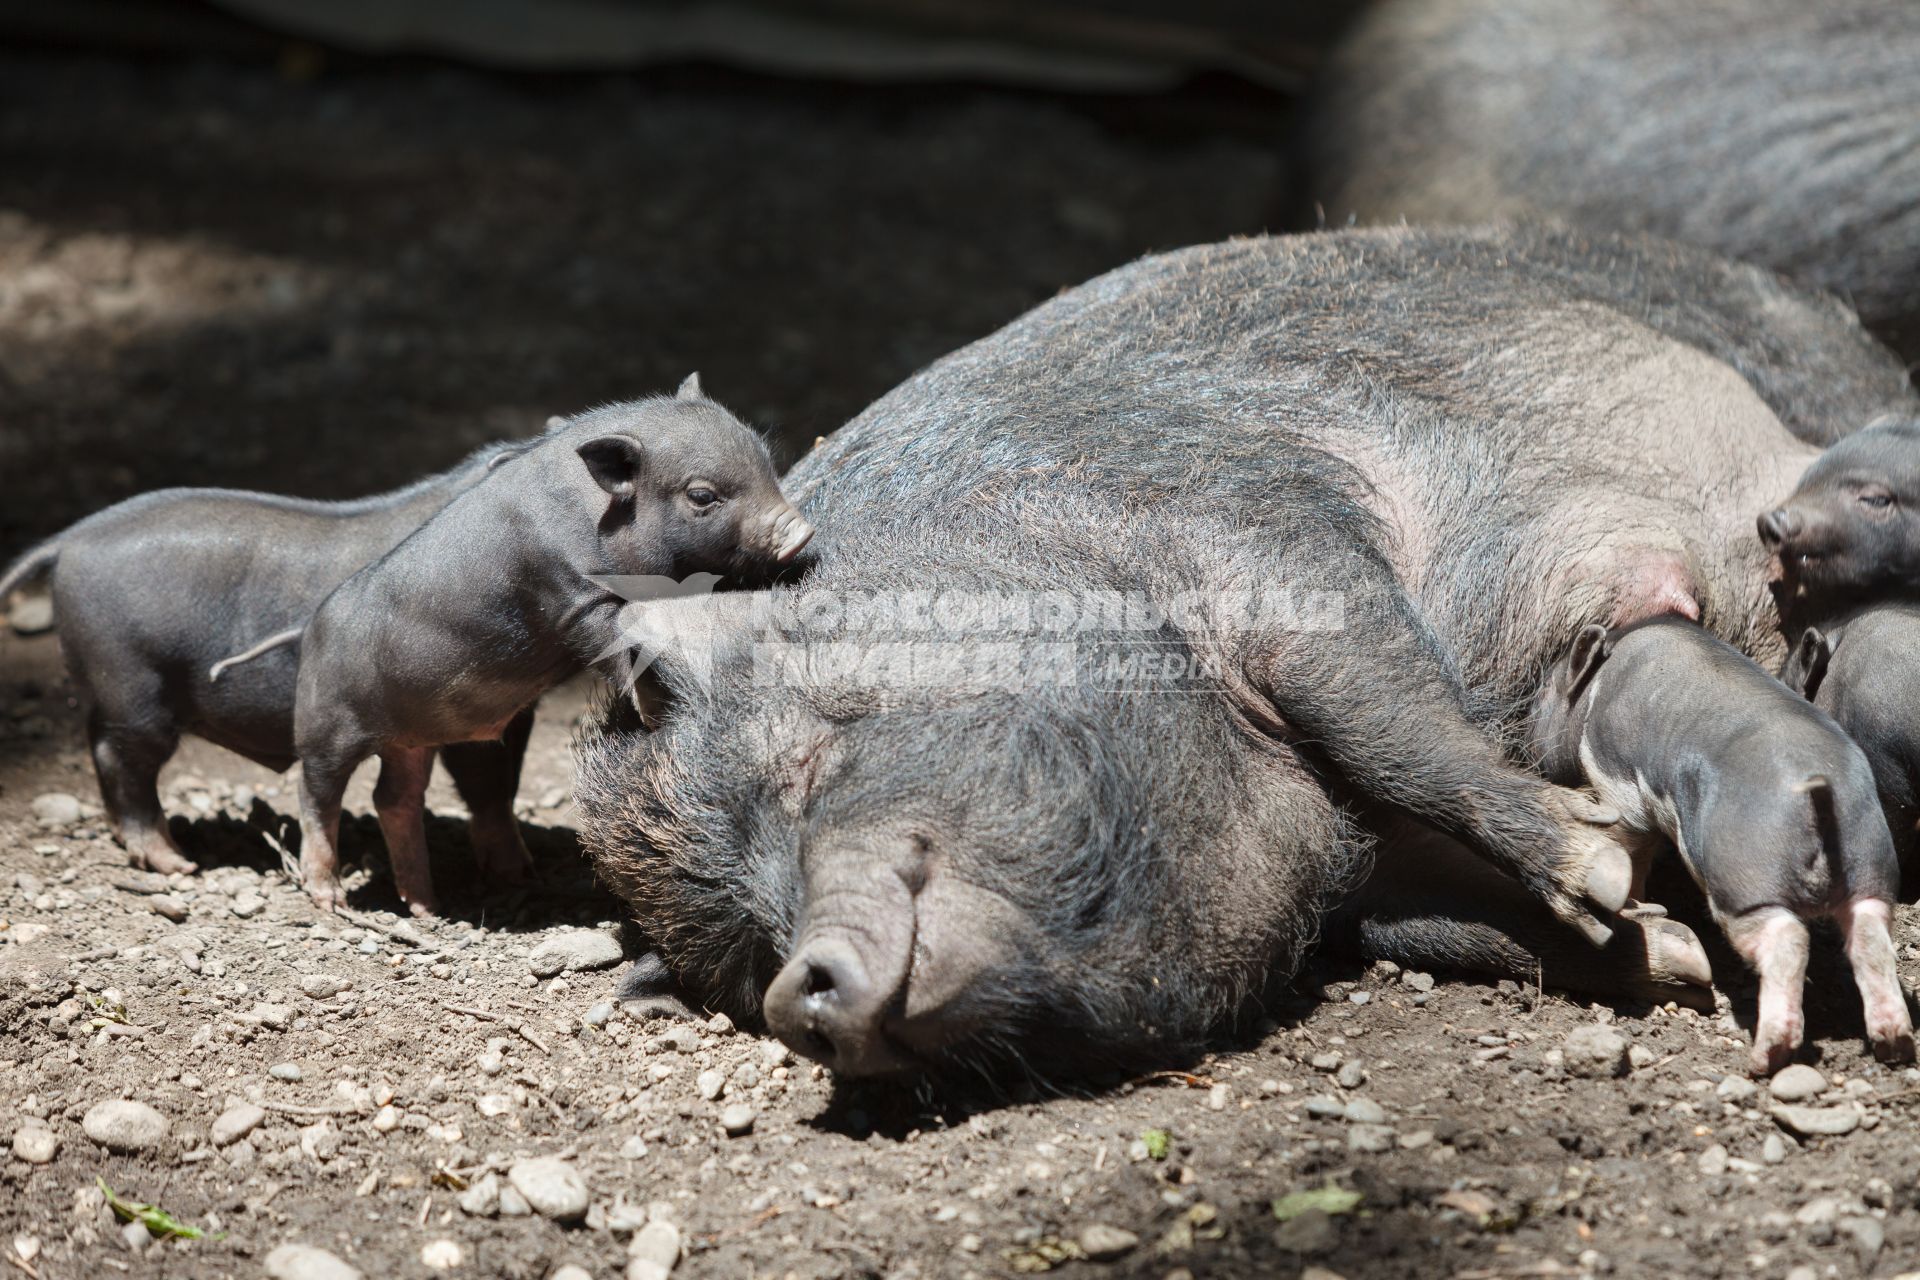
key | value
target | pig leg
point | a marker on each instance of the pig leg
(400, 799)
(1773, 942)
(1378, 702)
(1430, 903)
(487, 775)
(323, 781)
(128, 761)
(1870, 951)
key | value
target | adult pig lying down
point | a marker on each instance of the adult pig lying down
(1482, 441)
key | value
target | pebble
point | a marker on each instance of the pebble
(1421, 982)
(550, 1186)
(247, 904)
(1817, 1212)
(57, 809)
(1868, 1236)
(1713, 1161)
(571, 1272)
(304, 1262)
(235, 1123)
(598, 1015)
(681, 1039)
(171, 906)
(1217, 1097)
(1797, 1083)
(572, 950)
(285, 1071)
(1104, 1243)
(120, 1125)
(386, 1119)
(1809, 1122)
(720, 1024)
(442, 1254)
(738, 1120)
(1329, 1061)
(1326, 1108)
(657, 1243)
(35, 1145)
(323, 986)
(1640, 1057)
(1369, 1139)
(1774, 1149)
(1365, 1111)
(1595, 1052)
(482, 1199)
(711, 1083)
(32, 616)
(1736, 1089)
(1351, 1075)
(135, 1236)
(513, 1204)
(634, 1148)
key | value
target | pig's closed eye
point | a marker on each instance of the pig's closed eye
(1878, 499)
(701, 496)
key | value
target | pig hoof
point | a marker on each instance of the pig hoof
(1610, 877)
(1895, 1046)
(168, 862)
(328, 895)
(1674, 954)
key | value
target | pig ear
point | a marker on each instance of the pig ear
(614, 462)
(1590, 648)
(690, 389)
(1807, 666)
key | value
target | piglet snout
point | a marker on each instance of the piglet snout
(790, 532)
(1777, 528)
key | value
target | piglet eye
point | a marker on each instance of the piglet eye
(1878, 499)
(701, 496)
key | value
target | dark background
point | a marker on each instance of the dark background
(294, 248)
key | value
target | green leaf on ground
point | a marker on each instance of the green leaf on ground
(1329, 1199)
(1157, 1140)
(156, 1220)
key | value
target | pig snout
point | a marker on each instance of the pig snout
(1780, 527)
(787, 532)
(887, 976)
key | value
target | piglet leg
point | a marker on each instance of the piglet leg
(320, 793)
(1870, 951)
(1773, 942)
(400, 798)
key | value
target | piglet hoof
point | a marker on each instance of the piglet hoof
(422, 908)
(1773, 1048)
(166, 860)
(1595, 873)
(1895, 1046)
(1674, 955)
(501, 854)
(327, 893)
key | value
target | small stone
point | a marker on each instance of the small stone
(32, 616)
(304, 1262)
(285, 1071)
(323, 986)
(482, 1199)
(247, 904)
(1774, 1149)
(658, 1243)
(274, 1017)
(634, 1148)
(1351, 1075)
(1326, 1108)
(490, 1063)
(598, 1015)
(170, 906)
(1359, 997)
(1364, 1111)
(710, 1083)
(1422, 982)
(235, 1123)
(442, 1254)
(1217, 1097)
(1736, 1089)
(1104, 1243)
(1815, 1213)
(1370, 1139)
(572, 950)
(1830, 1122)
(135, 1236)
(1595, 1052)
(386, 1119)
(513, 1204)
(1712, 1162)
(571, 1272)
(1640, 1057)
(1797, 1083)
(35, 1145)
(737, 1120)
(57, 809)
(1415, 1140)
(120, 1125)
(551, 1186)
(1329, 1061)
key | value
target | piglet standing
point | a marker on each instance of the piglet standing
(1772, 808)
(1863, 669)
(449, 637)
(1850, 531)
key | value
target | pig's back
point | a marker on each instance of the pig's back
(1775, 131)
(1872, 689)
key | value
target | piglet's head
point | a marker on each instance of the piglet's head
(687, 488)
(1851, 530)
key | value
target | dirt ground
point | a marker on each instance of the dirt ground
(222, 275)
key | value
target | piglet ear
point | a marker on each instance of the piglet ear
(614, 462)
(1807, 664)
(690, 389)
(1590, 648)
